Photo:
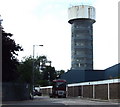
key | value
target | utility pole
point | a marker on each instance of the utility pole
(33, 70)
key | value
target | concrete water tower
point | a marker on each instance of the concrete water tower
(81, 19)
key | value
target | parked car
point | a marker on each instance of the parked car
(36, 92)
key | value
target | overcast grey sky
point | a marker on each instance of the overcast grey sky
(46, 22)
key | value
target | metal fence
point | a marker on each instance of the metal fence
(15, 91)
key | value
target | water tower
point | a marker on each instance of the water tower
(81, 19)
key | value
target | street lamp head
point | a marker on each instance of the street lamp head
(37, 45)
(40, 45)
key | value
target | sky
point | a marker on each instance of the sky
(45, 22)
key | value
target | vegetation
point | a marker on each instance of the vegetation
(25, 71)
(15, 71)
(9, 60)
(43, 73)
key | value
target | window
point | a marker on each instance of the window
(81, 44)
(77, 35)
(89, 11)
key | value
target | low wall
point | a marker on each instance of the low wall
(114, 91)
(87, 91)
(101, 91)
(15, 91)
(106, 90)
(46, 90)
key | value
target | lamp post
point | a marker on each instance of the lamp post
(33, 70)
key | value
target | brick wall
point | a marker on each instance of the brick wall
(46, 91)
(70, 91)
(88, 91)
(101, 91)
(76, 91)
(104, 91)
(115, 91)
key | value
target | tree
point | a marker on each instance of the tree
(25, 70)
(9, 60)
(44, 74)
(41, 60)
(49, 74)
(26, 66)
(59, 73)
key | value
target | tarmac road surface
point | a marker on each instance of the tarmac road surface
(45, 101)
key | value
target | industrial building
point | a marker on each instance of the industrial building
(82, 79)
(77, 76)
(82, 18)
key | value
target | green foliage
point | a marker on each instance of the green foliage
(49, 74)
(41, 61)
(25, 70)
(9, 60)
(59, 73)
(43, 83)
(43, 77)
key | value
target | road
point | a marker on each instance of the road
(59, 102)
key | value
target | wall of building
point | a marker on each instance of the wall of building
(46, 90)
(81, 19)
(94, 75)
(112, 71)
(105, 90)
(76, 76)
(82, 44)
(73, 76)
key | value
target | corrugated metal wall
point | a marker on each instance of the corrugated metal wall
(77, 76)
